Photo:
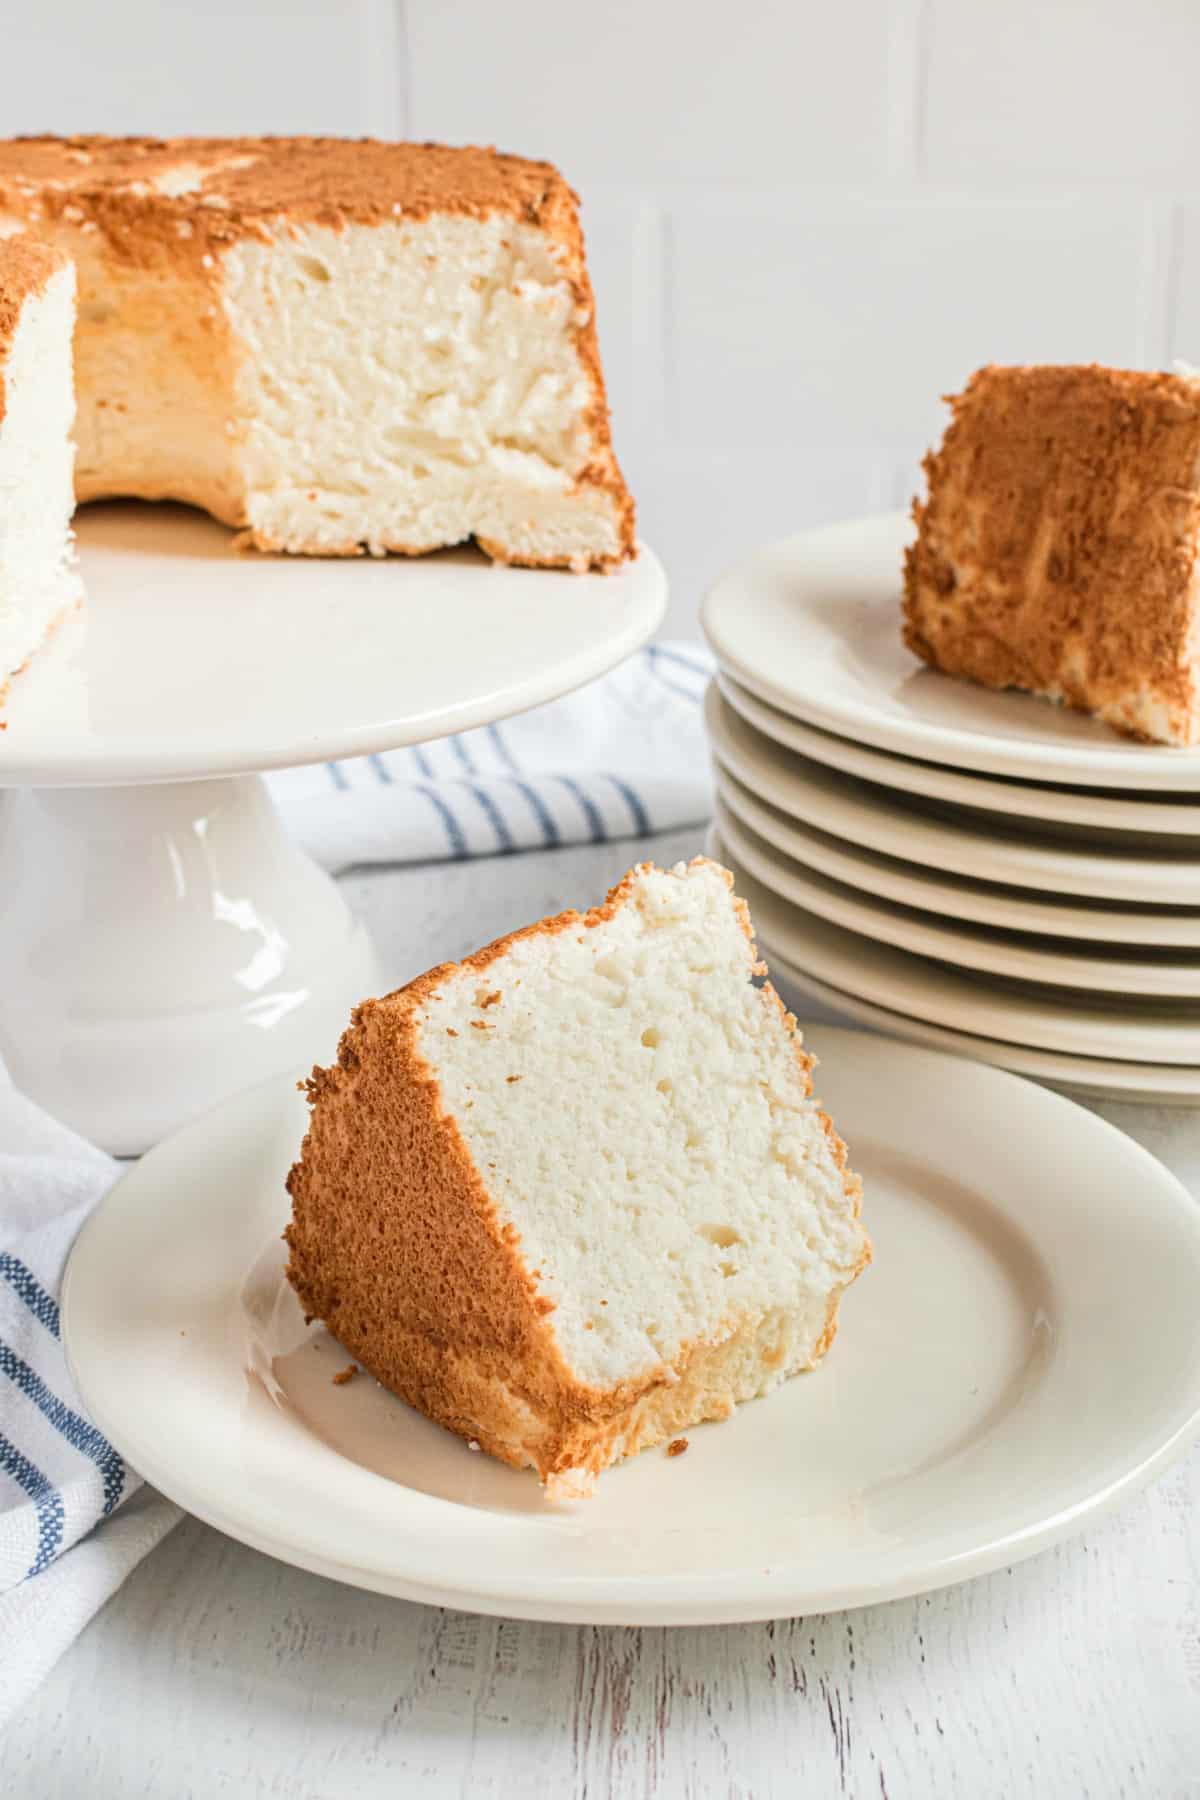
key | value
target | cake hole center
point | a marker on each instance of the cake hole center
(723, 1236)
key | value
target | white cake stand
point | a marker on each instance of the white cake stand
(162, 941)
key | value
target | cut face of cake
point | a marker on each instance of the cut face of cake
(1057, 548)
(38, 579)
(573, 1195)
(336, 346)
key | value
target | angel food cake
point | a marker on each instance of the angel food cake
(1057, 549)
(573, 1195)
(335, 346)
(38, 578)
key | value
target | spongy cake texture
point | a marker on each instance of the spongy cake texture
(336, 346)
(1057, 548)
(573, 1195)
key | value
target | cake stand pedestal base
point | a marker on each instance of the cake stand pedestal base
(162, 946)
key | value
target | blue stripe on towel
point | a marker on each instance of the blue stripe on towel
(28, 1288)
(587, 807)
(502, 750)
(677, 656)
(422, 761)
(495, 818)
(381, 769)
(641, 819)
(541, 812)
(464, 755)
(454, 831)
(336, 776)
(672, 687)
(82, 1436)
(48, 1502)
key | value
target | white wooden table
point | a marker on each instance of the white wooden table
(218, 1672)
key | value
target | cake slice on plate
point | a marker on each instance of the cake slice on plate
(334, 345)
(38, 578)
(573, 1195)
(1057, 549)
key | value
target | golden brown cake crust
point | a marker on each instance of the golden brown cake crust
(397, 1246)
(1057, 548)
(25, 268)
(176, 204)
(246, 183)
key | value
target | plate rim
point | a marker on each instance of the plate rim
(1125, 763)
(1043, 1013)
(1037, 867)
(957, 787)
(957, 1043)
(878, 1018)
(731, 828)
(862, 863)
(645, 1599)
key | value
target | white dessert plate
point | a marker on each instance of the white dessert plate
(953, 1429)
(955, 896)
(1170, 975)
(190, 660)
(1106, 1025)
(1090, 1077)
(968, 844)
(1166, 816)
(812, 625)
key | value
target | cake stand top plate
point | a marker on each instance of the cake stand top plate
(190, 660)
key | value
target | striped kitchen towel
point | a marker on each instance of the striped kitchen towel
(620, 758)
(59, 1476)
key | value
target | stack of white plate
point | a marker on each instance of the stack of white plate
(982, 872)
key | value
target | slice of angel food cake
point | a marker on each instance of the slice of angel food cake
(573, 1195)
(1059, 548)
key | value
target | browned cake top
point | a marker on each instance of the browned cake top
(1082, 411)
(321, 180)
(25, 268)
(1057, 546)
